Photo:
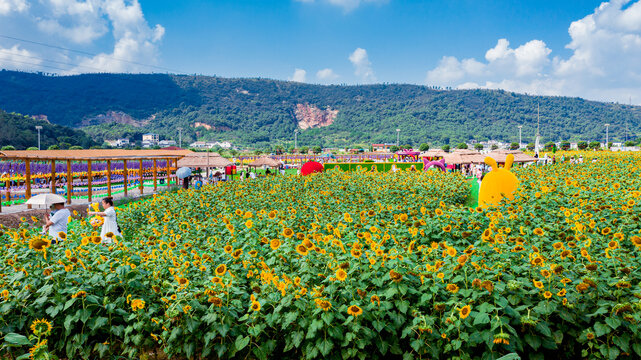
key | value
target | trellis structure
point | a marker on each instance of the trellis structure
(92, 157)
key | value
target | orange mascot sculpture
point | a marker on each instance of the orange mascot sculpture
(498, 183)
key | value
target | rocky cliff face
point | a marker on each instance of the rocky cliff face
(117, 117)
(310, 116)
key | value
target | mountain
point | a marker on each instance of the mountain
(258, 112)
(20, 132)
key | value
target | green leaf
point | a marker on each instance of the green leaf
(403, 305)
(98, 322)
(241, 342)
(601, 329)
(533, 340)
(297, 337)
(613, 322)
(613, 352)
(544, 329)
(325, 347)
(16, 339)
(290, 317)
(510, 356)
(481, 318)
(637, 348)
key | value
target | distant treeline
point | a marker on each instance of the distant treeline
(19, 131)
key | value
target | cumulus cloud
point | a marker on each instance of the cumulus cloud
(84, 22)
(346, 5)
(8, 6)
(604, 64)
(17, 58)
(326, 75)
(362, 66)
(298, 76)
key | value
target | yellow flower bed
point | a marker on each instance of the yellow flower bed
(346, 265)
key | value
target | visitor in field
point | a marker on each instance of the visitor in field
(110, 228)
(56, 224)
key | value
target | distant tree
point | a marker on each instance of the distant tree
(291, 150)
(610, 145)
(75, 147)
(258, 152)
(394, 148)
(98, 147)
(494, 147)
(479, 146)
(549, 146)
(514, 146)
(32, 148)
(407, 146)
(461, 146)
(565, 145)
(156, 147)
(64, 145)
(304, 149)
(582, 145)
(10, 147)
(317, 149)
(446, 148)
(629, 143)
(594, 145)
(53, 147)
(233, 152)
(424, 147)
(530, 146)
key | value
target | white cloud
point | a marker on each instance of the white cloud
(84, 22)
(17, 58)
(346, 5)
(8, 6)
(135, 41)
(298, 76)
(326, 75)
(362, 65)
(604, 63)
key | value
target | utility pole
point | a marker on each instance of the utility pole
(398, 137)
(606, 135)
(38, 128)
(180, 137)
(520, 142)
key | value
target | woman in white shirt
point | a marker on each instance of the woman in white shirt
(110, 224)
(57, 223)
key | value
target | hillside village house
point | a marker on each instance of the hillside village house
(166, 143)
(150, 137)
(118, 143)
(382, 147)
(210, 145)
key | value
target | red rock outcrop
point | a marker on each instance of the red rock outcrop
(310, 116)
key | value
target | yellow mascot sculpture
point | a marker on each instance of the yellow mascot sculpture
(498, 183)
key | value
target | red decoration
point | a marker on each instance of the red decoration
(311, 167)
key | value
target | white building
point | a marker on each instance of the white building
(150, 138)
(166, 143)
(118, 143)
(210, 145)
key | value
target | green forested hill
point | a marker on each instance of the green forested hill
(20, 132)
(261, 111)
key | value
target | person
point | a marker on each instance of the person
(267, 172)
(412, 168)
(110, 225)
(56, 224)
(186, 183)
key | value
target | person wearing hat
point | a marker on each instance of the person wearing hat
(56, 224)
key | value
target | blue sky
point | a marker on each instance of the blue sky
(573, 47)
(403, 39)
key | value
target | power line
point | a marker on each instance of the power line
(51, 61)
(34, 64)
(88, 53)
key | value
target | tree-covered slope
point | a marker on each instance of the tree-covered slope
(20, 132)
(261, 111)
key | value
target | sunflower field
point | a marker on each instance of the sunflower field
(342, 265)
